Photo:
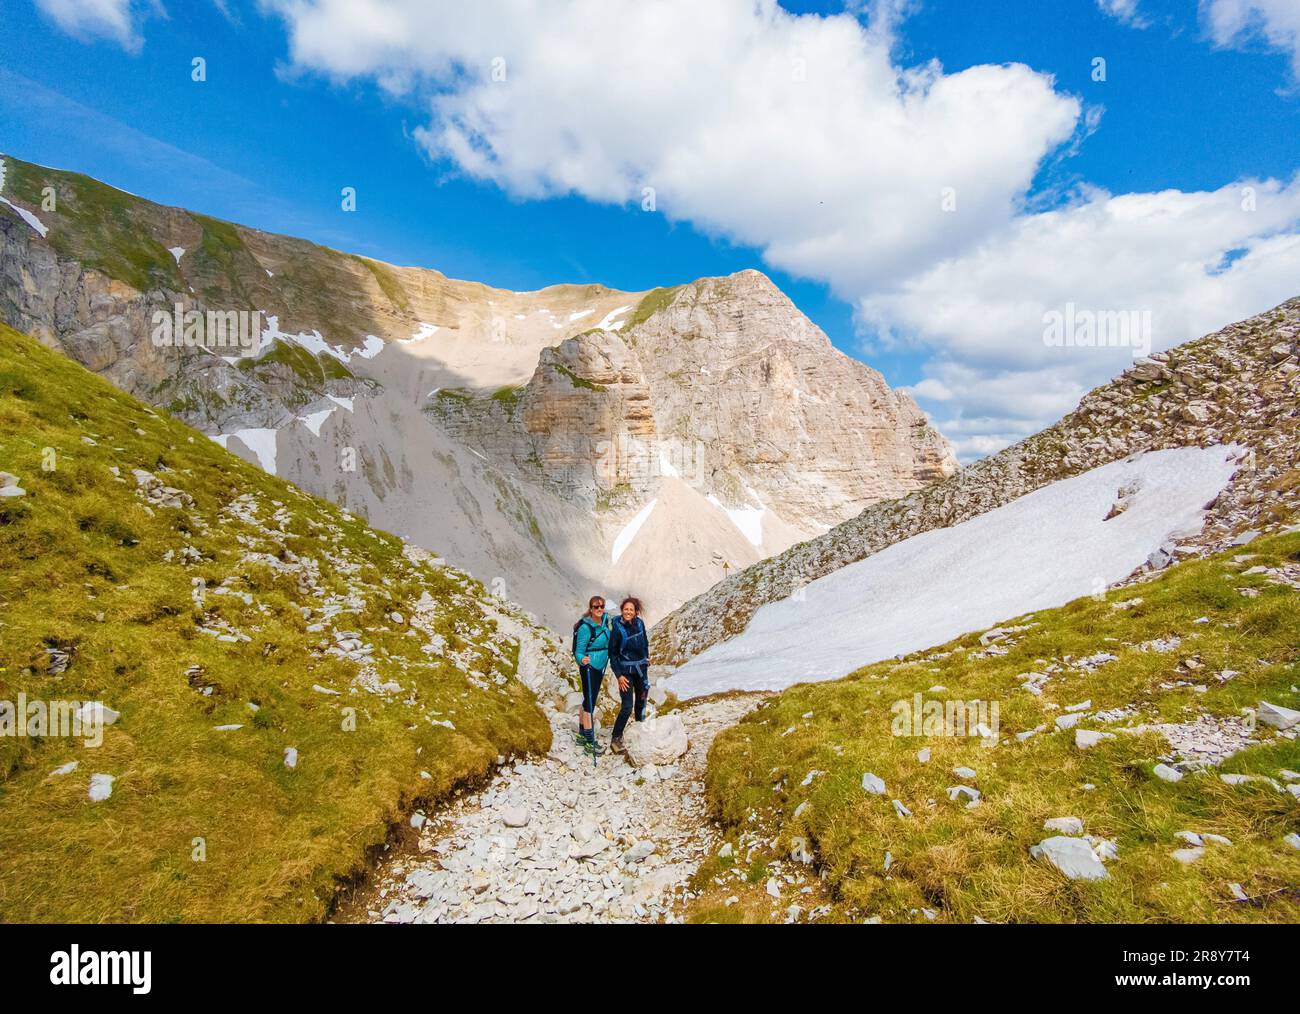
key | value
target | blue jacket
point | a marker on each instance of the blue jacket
(592, 640)
(629, 646)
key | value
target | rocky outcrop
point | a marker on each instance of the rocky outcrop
(782, 418)
(1239, 385)
(582, 425)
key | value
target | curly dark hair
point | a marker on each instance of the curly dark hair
(636, 604)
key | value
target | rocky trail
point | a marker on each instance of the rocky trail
(558, 838)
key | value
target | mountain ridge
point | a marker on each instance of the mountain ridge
(448, 411)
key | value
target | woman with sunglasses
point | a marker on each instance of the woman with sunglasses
(591, 650)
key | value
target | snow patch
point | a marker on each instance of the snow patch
(315, 343)
(580, 314)
(261, 442)
(626, 536)
(178, 252)
(341, 402)
(608, 323)
(748, 520)
(1039, 552)
(426, 331)
(316, 420)
(27, 217)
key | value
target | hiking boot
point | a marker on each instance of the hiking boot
(616, 745)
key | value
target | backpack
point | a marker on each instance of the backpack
(573, 642)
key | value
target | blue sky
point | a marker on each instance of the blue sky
(269, 139)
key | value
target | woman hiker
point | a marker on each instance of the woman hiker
(591, 649)
(629, 657)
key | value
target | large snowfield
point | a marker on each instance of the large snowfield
(1046, 549)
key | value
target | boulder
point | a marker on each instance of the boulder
(1072, 856)
(656, 741)
(1086, 739)
(9, 485)
(1277, 716)
(1147, 370)
(1167, 774)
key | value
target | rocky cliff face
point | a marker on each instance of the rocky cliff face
(537, 439)
(1240, 385)
(783, 419)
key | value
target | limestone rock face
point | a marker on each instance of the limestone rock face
(783, 419)
(586, 404)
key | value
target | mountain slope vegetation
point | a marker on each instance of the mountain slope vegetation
(1170, 671)
(1239, 385)
(288, 683)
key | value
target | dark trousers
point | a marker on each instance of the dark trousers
(638, 689)
(591, 681)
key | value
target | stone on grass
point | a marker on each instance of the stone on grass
(97, 711)
(967, 773)
(1277, 716)
(1188, 856)
(1066, 825)
(1086, 739)
(1167, 774)
(1293, 840)
(101, 787)
(291, 757)
(1072, 856)
(873, 784)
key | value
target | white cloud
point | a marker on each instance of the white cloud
(1195, 261)
(1235, 22)
(1123, 10)
(802, 136)
(116, 20)
(794, 134)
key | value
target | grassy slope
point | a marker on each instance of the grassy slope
(84, 566)
(962, 864)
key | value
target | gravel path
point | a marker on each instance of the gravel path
(558, 839)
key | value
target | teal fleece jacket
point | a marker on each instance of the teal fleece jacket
(593, 640)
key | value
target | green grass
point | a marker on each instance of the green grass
(388, 282)
(96, 224)
(652, 303)
(577, 381)
(508, 397)
(87, 567)
(964, 864)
